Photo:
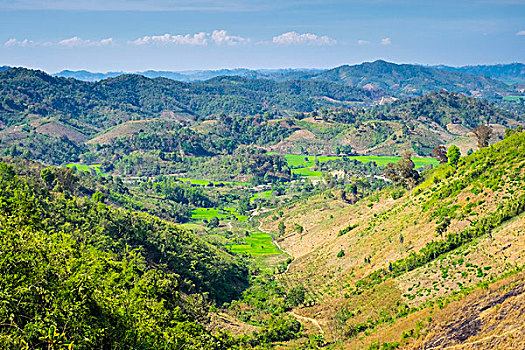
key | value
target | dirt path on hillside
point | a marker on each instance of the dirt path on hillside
(308, 319)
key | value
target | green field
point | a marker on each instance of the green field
(307, 172)
(258, 243)
(84, 167)
(264, 194)
(301, 164)
(513, 98)
(205, 182)
(208, 213)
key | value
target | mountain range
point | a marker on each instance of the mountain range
(508, 73)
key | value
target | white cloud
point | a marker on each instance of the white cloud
(218, 37)
(78, 42)
(521, 32)
(70, 42)
(363, 42)
(23, 43)
(199, 39)
(221, 37)
(294, 38)
(386, 41)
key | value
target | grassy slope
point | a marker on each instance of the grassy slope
(330, 280)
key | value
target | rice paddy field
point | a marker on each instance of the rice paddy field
(514, 98)
(301, 164)
(208, 213)
(264, 194)
(257, 244)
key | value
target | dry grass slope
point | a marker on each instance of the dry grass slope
(486, 182)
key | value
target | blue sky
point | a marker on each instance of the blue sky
(134, 35)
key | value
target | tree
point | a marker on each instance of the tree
(281, 228)
(213, 222)
(483, 134)
(98, 197)
(440, 152)
(453, 155)
(245, 205)
(297, 295)
(442, 227)
(48, 175)
(403, 172)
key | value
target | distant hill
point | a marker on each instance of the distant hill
(509, 73)
(400, 80)
(87, 76)
(56, 119)
(102, 104)
(197, 75)
(411, 80)
(418, 124)
(3, 68)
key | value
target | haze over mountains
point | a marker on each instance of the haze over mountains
(509, 73)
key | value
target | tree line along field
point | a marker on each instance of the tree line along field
(301, 164)
(297, 161)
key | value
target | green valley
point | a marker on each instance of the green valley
(376, 206)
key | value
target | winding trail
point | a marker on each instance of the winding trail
(304, 318)
(298, 317)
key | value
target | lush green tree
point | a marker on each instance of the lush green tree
(213, 222)
(48, 175)
(297, 295)
(281, 227)
(453, 155)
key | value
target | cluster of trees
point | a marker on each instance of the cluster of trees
(104, 277)
(54, 150)
(403, 172)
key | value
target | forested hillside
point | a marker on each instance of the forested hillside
(94, 106)
(411, 80)
(508, 73)
(77, 271)
(57, 120)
